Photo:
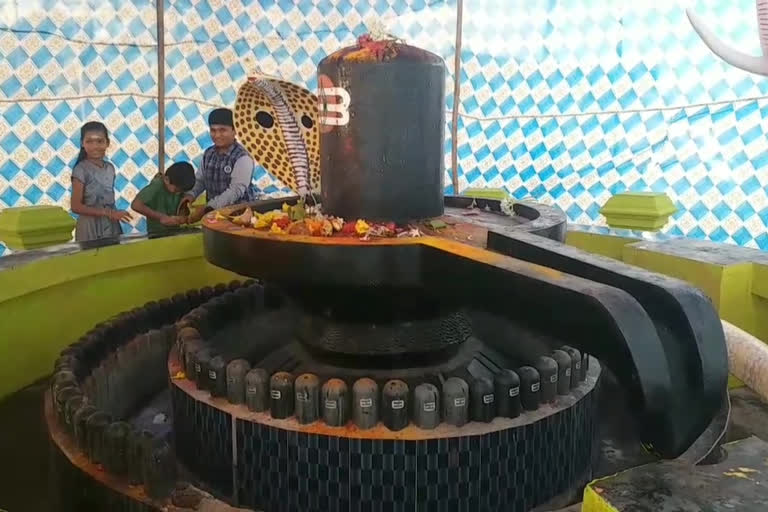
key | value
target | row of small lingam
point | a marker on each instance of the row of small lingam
(308, 399)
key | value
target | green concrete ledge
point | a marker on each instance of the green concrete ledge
(606, 242)
(32, 227)
(735, 278)
(760, 280)
(48, 303)
(638, 210)
(486, 193)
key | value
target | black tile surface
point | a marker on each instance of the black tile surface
(510, 471)
(203, 439)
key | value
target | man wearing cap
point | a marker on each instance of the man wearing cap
(226, 171)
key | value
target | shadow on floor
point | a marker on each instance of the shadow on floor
(24, 449)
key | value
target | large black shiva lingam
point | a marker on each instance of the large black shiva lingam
(401, 351)
(435, 372)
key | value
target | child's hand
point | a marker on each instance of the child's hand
(167, 220)
(197, 215)
(120, 216)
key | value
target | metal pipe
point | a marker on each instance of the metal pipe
(160, 84)
(747, 359)
(456, 98)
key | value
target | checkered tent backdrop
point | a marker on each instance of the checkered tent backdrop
(562, 101)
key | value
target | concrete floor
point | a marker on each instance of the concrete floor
(618, 450)
(749, 416)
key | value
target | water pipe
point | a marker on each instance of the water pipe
(747, 359)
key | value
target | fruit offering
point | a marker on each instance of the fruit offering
(300, 219)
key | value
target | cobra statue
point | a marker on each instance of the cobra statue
(750, 63)
(276, 121)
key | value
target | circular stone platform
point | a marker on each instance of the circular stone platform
(279, 463)
(103, 457)
(253, 459)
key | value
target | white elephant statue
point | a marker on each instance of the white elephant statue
(750, 63)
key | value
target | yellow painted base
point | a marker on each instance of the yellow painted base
(48, 304)
(593, 502)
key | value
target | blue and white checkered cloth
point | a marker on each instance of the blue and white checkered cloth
(565, 102)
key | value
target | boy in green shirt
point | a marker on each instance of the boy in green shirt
(159, 201)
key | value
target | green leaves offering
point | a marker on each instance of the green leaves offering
(298, 211)
(437, 224)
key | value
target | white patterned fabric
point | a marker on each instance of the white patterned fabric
(563, 101)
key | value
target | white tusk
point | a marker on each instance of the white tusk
(762, 24)
(752, 64)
